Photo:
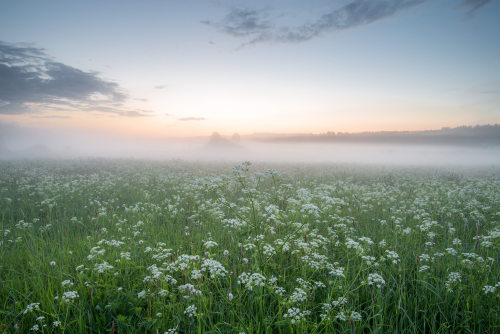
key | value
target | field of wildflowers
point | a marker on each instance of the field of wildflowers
(118, 246)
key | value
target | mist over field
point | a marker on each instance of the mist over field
(20, 142)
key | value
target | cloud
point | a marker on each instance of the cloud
(187, 119)
(160, 86)
(119, 110)
(356, 13)
(30, 80)
(255, 25)
(51, 116)
(472, 5)
(242, 22)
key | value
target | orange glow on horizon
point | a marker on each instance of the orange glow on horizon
(162, 127)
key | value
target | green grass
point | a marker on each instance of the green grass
(207, 248)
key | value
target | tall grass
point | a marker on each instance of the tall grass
(135, 246)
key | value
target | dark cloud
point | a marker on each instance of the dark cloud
(186, 119)
(160, 86)
(355, 13)
(254, 24)
(472, 5)
(242, 22)
(30, 80)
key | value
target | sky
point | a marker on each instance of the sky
(166, 69)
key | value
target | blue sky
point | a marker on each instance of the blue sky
(183, 68)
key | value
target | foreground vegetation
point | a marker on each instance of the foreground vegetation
(130, 247)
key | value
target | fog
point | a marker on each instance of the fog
(18, 142)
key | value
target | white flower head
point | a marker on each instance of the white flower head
(190, 311)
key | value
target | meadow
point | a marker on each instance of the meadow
(124, 246)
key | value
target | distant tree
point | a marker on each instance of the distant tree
(236, 137)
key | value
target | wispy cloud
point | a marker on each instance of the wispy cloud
(187, 119)
(242, 22)
(256, 26)
(30, 80)
(52, 116)
(472, 5)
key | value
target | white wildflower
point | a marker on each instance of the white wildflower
(488, 289)
(279, 291)
(298, 296)
(451, 251)
(355, 316)
(392, 255)
(453, 278)
(337, 271)
(209, 244)
(32, 307)
(215, 268)
(67, 283)
(252, 280)
(341, 316)
(102, 267)
(296, 315)
(269, 250)
(189, 288)
(352, 244)
(190, 311)
(339, 301)
(69, 296)
(196, 274)
(423, 268)
(125, 255)
(376, 279)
